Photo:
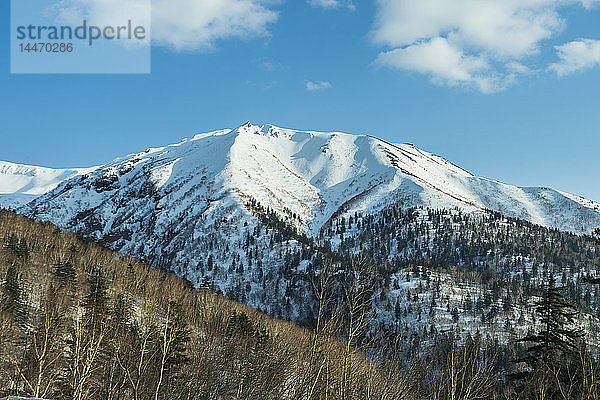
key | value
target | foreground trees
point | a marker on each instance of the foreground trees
(556, 362)
(80, 322)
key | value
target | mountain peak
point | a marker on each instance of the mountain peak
(262, 129)
(314, 175)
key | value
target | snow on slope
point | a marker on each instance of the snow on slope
(317, 175)
(185, 205)
(310, 174)
(20, 184)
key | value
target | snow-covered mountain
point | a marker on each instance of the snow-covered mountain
(19, 184)
(254, 211)
(310, 175)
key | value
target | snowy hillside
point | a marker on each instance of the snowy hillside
(254, 211)
(20, 184)
(311, 175)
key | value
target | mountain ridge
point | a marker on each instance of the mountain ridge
(325, 171)
(20, 183)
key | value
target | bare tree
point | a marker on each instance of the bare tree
(46, 344)
(359, 292)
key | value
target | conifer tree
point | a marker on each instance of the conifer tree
(595, 281)
(11, 300)
(555, 344)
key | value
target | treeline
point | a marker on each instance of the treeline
(78, 321)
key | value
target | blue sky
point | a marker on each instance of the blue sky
(509, 93)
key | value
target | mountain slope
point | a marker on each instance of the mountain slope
(140, 333)
(20, 184)
(256, 211)
(312, 175)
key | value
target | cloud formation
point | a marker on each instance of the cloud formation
(183, 25)
(577, 56)
(317, 86)
(331, 4)
(324, 3)
(441, 60)
(475, 43)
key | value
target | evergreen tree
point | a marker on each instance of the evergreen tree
(595, 281)
(11, 300)
(555, 344)
(65, 272)
(96, 301)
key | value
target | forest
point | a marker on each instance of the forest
(78, 321)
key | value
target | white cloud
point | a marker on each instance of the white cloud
(102, 12)
(435, 56)
(588, 4)
(105, 13)
(576, 56)
(316, 86)
(324, 3)
(331, 4)
(505, 27)
(442, 61)
(184, 25)
(193, 24)
(452, 40)
(518, 68)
